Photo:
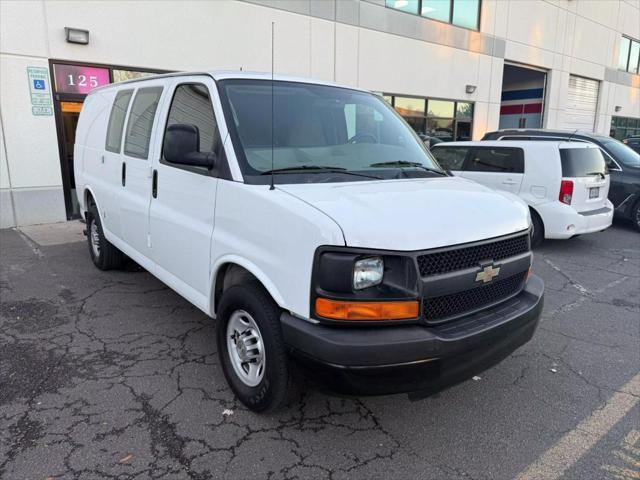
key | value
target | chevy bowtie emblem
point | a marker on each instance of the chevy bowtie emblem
(487, 274)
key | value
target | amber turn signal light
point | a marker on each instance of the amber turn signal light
(339, 310)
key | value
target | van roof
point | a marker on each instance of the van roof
(517, 143)
(224, 75)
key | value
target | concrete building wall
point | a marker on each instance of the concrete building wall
(355, 42)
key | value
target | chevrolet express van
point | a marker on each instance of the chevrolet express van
(313, 224)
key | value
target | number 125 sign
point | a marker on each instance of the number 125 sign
(79, 78)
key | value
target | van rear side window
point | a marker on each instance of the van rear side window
(116, 121)
(140, 123)
(582, 162)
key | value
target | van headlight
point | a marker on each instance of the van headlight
(367, 272)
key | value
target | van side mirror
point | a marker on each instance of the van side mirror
(181, 146)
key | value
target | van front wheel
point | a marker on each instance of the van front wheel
(103, 253)
(251, 348)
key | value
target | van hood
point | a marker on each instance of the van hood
(415, 214)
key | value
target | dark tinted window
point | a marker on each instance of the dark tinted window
(140, 124)
(621, 152)
(496, 159)
(582, 162)
(116, 120)
(191, 105)
(451, 158)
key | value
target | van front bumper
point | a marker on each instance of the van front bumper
(407, 358)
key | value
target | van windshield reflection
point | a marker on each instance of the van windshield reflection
(303, 133)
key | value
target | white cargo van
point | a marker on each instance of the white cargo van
(565, 184)
(332, 239)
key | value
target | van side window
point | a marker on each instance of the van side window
(140, 124)
(496, 159)
(450, 158)
(116, 121)
(191, 105)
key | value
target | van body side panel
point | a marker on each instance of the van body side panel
(182, 213)
(275, 235)
(135, 195)
(89, 149)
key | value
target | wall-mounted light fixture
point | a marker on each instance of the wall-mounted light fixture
(76, 35)
(470, 88)
(617, 108)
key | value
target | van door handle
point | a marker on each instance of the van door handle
(124, 174)
(154, 184)
(509, 182)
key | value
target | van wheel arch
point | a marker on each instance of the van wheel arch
(89, 201)
(230, 274)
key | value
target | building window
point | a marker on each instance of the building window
(629, 57)
(624, 127)
(412, 110)
(436, 9)
(463, 13)
(123, 75)
(466, 14)
(410, 6)
(446, 120)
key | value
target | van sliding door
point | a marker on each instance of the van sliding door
(135, 173)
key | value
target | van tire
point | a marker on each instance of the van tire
(275, 386)
(537, 231)
(106, 256)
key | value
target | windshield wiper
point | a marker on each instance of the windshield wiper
(318, 169)
(404, 163)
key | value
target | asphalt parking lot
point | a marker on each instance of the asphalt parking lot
(113, 375)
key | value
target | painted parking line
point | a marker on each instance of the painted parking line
(570, 448)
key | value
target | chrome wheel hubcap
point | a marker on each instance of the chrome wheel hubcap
(245, 347)
(95, 239)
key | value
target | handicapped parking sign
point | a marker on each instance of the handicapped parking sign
(41, 99)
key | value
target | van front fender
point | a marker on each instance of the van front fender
(249, 266)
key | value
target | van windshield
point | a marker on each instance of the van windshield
(320, 134)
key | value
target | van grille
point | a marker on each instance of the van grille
(467, 257)
(438, 308)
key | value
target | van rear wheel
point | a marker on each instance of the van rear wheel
(251, 349)
(103, 253)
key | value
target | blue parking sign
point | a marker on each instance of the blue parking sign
(38, 84)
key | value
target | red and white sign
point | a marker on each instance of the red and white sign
(79, 78)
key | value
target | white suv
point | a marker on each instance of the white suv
(565, 184)
(334, 238)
